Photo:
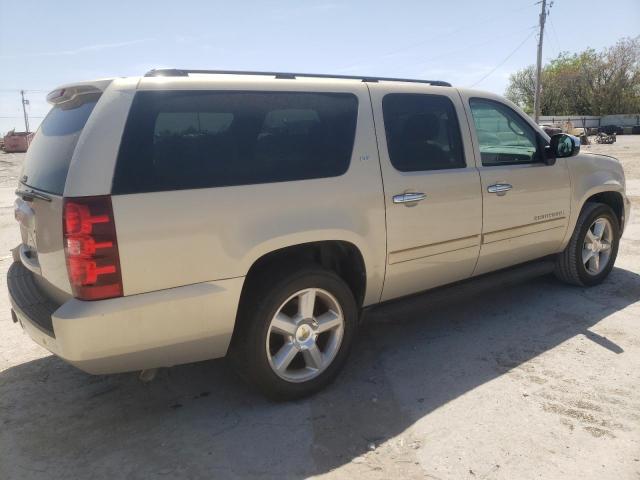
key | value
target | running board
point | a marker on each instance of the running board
(448, 294)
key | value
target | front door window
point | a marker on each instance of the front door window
(505, 138)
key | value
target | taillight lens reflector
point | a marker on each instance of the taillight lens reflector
(91, 248)
(78, 219)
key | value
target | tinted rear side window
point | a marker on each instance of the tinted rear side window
(47, 162)
(184, 140)
(422, 132)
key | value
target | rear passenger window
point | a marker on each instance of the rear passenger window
(422, 132)
(169, 124)
(195, 139)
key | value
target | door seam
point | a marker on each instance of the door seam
(475, 165)
(384, 195)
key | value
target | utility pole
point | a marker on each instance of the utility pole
(24, 111)
(536, 98)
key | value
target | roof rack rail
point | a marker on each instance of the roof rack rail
(175, 72)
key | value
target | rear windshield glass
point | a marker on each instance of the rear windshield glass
(184, 140)
(47, 161)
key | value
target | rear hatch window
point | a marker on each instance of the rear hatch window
(47, 161)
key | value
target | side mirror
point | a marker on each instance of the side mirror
(562, 146)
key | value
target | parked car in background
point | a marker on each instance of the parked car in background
(611, 129)
(184, 216)
(551, 129)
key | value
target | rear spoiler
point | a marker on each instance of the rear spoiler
(69, 93)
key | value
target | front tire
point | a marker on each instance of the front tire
(592, 249)
(294, 333)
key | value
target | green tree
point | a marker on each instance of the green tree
(521, 88)
(585, 83)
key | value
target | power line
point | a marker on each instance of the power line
(557, 39)
(444, 35)
(30, 90)
(465, 48)
(505, 59)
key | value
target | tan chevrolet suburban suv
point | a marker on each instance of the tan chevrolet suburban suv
(189, 215)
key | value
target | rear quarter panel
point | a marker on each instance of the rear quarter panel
(168, 239)
(94, 159)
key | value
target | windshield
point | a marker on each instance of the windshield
(47, 160)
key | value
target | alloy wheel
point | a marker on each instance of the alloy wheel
(304, 335)
(596, 249)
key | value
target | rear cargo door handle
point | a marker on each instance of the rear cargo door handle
(409, 197)
(499, 188)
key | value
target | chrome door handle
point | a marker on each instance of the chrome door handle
(499, 188)
(409, 197)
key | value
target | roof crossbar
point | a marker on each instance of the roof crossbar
(174, 72)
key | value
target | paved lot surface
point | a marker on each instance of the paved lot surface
(536, 380)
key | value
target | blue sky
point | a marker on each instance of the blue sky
(466, 42)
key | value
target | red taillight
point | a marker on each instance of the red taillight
(91, 248)
(78, 219)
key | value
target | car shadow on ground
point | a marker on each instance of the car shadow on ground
(199, 420)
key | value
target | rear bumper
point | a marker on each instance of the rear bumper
(28, 301)
(158, 329)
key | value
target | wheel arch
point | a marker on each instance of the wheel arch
(613, 199)
(608, 191)
(604, 190)
(342, 257)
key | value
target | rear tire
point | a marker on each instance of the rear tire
(295, 329)
(592, 249)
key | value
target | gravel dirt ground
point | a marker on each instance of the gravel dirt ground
(532, 380)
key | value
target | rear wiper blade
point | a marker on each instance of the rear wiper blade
(29, 195)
